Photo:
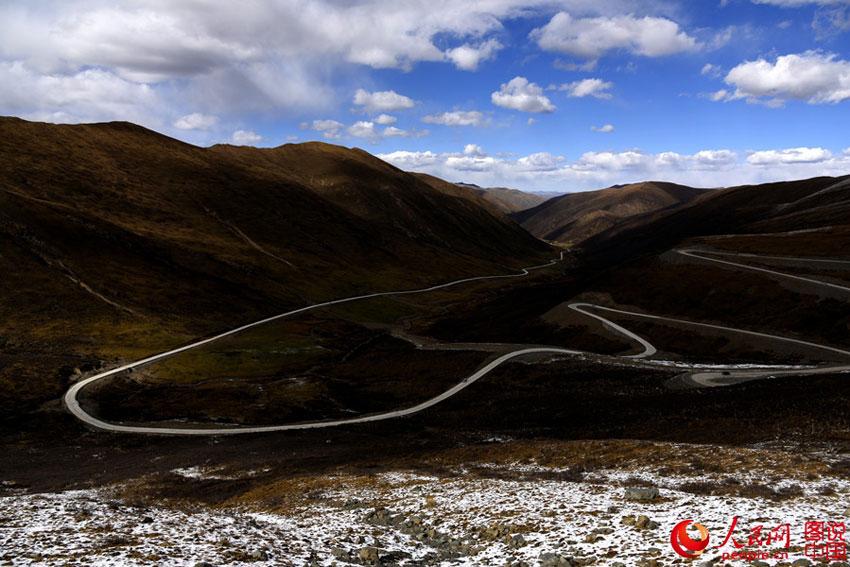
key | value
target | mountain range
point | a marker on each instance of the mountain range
(114, 235)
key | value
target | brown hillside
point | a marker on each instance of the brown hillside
(574, 217)
(818, 203)
(117, 241)
(499, 199)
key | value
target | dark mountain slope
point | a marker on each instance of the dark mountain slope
(769, 208)
(575, 217)
(115, 240)
(500, 199)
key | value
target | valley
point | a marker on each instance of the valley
(430, 358)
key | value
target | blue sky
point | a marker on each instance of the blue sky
(547, 95)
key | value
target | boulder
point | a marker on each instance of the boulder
(642, 493)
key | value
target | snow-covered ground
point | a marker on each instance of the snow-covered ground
(494, 514)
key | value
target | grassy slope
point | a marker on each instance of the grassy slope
(116, 241)
(577, 216)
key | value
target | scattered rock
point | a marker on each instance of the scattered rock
(368, 555)
(494, 532)
(550, 559)
(516, 541)
(642, 493)
(642, 522)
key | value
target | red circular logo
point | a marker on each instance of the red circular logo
(686, 546)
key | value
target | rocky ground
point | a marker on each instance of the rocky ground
(514, 503)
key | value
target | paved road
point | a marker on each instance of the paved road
(736, 376)
(701, 255)
(73, 405)
(721, 377)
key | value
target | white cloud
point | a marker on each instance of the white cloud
(720, 96)
(367, 129)
(473, 150)
(468, 57)
(196, 121)
(363, 129)
(86, 96)
(330, 129)
(596, 88)
(381, 101)
(457, 118)
(714, 158)
(385, 120)
(246, 138)
(613, 160)
(393, 132)
(519, 94)
(711, 70)
(789, 156)
(410, 160)
(811, 76)
(470, 163)
(605, 128)
(541, 161)
(545, 171)
(591, 38)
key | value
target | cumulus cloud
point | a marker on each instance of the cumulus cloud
(547, 171)
(330, 129)
(631, 159)
(540, 161)
(363, 129)
(196, 121)
(591, 38)
(789, 156)
(596, 88)
(473, 150)
(246, 138)
(457, 118)
(468, 57)
(367, 129)
(381, 101)
(714, 158)
(519, 94)
(711, 70)
(393, 132)
(470, 163)
(385, 119)
(228, 58)
(812, 76)
(411, 161)
(605, 128)
(85, 96)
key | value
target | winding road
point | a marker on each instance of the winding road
(723, 376)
